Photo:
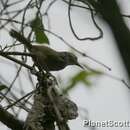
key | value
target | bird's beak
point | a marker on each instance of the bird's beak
(80, 66)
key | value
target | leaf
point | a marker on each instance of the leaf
(38, 28)
(3, 87)
(82, 77)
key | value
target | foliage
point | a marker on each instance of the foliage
(2, 87)
(81, 77)
(38, 28)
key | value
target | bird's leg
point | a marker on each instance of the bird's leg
(45, 72)
(49, 75)
(34, 71)
(38, 72)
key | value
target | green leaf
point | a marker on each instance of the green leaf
(3, 87)
(38, 28)
(82, 77)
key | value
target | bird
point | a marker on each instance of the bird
(45, 57)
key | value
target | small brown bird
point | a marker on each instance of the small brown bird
(45, 57)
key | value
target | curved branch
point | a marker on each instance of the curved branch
(92, 16)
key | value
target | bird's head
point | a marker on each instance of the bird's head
(71, 59)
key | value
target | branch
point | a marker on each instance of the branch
(16, 53)
(93, 19)
(110, 12)
(9, 106)
(16, 61)
(49, 107)
(10, 121)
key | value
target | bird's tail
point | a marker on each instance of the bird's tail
(21, 38)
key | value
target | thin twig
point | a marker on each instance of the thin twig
(9, 106)
(81, 53)
(92, 16)
(17, 53)
(110, 76)
(17, 61)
